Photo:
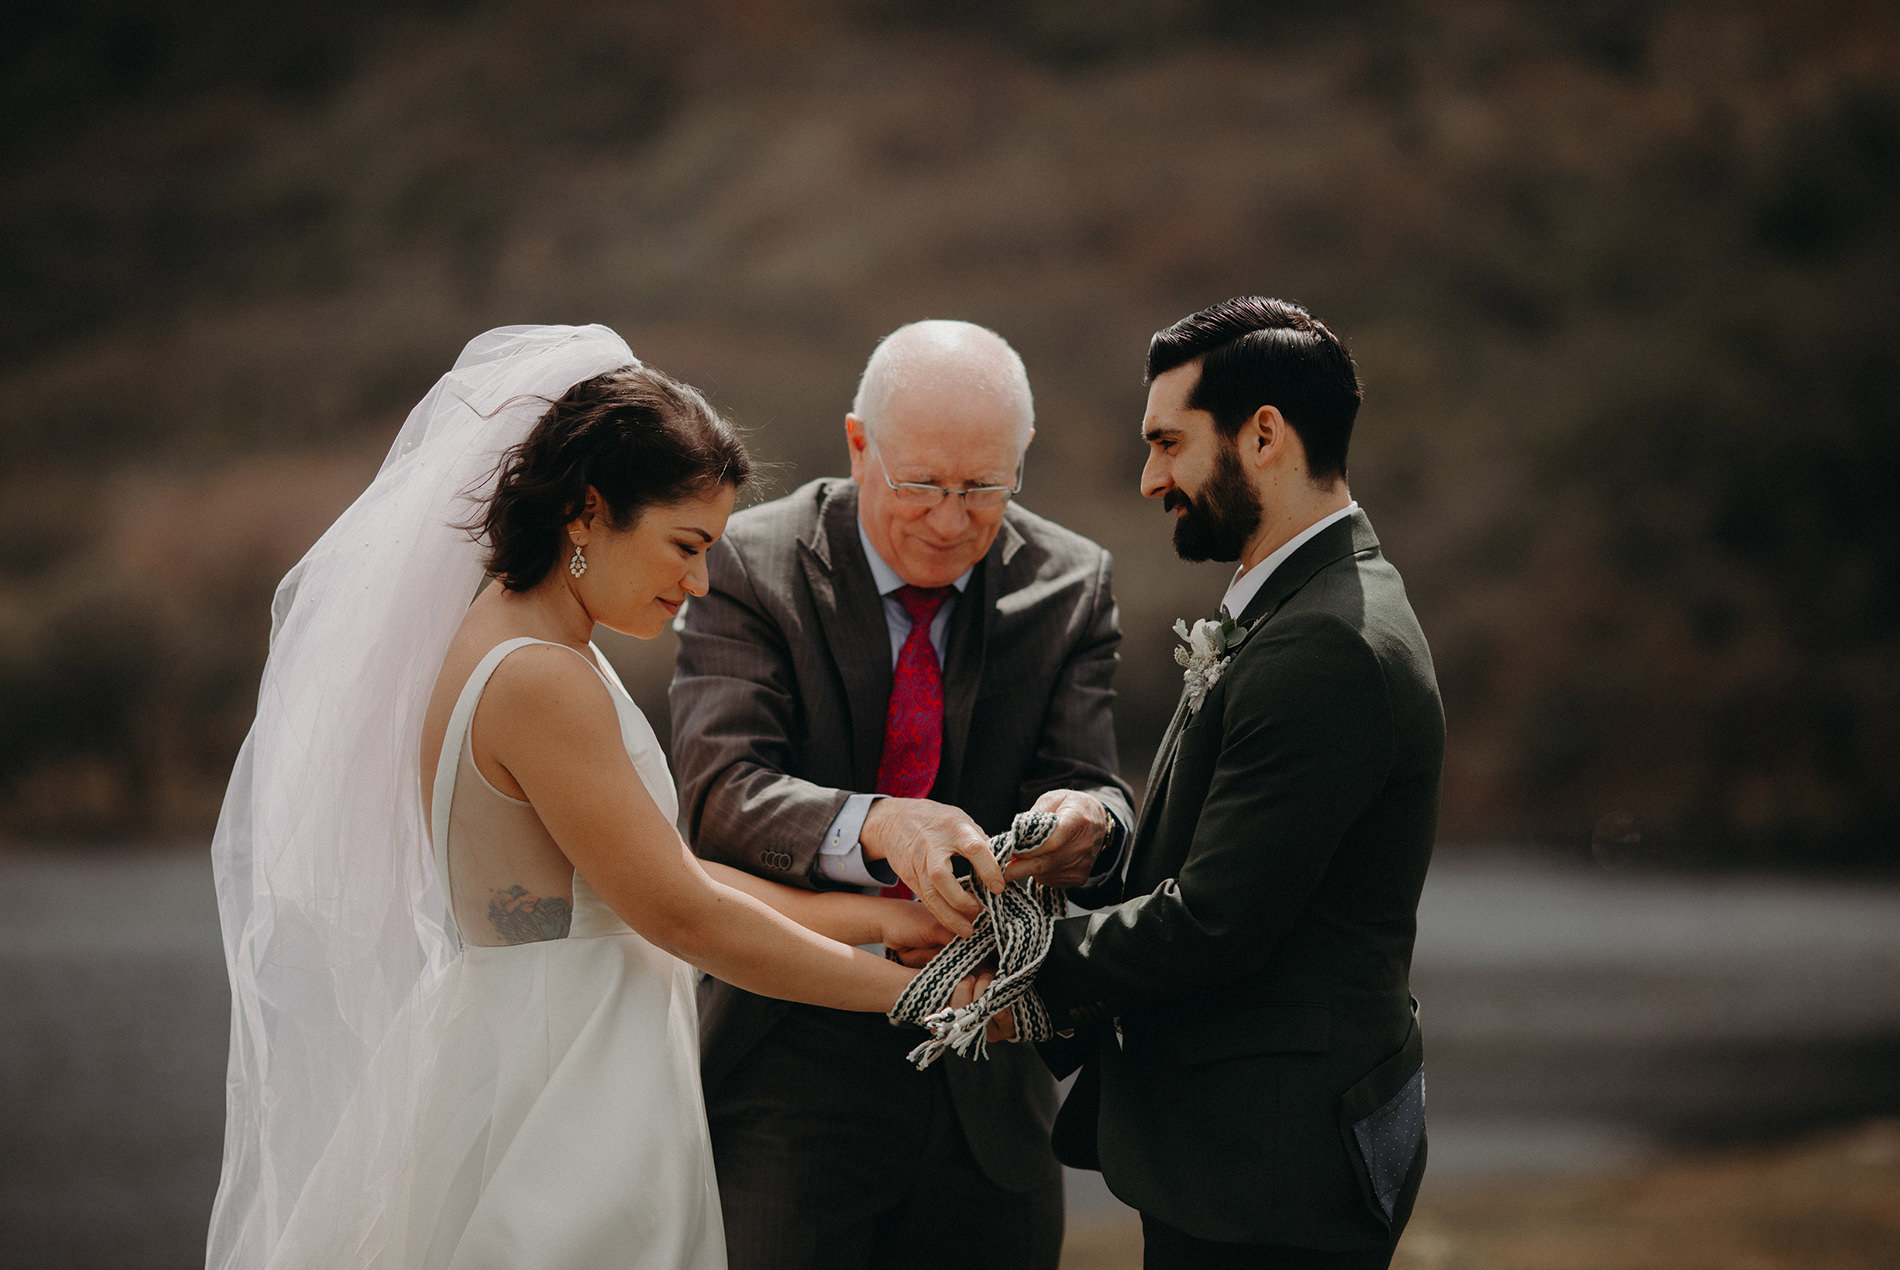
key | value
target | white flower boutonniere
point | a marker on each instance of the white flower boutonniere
(1207, 649)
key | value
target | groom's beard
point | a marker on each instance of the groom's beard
(1220, 519)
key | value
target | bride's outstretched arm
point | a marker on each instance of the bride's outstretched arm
(845, 916)
(546, 718)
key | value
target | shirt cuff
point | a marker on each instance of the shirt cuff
(841, 856)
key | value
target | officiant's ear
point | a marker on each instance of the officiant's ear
(857, 440)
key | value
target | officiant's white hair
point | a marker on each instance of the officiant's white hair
(936, 351)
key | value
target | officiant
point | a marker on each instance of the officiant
(883, 672)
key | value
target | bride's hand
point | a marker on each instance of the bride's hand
(909, 929)
(970, 987)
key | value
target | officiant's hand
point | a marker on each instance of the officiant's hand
(1067, 856)
(921, 840)
(1002, 1027)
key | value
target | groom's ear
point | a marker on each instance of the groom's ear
(1265, 437)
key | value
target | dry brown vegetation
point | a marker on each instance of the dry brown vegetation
(1620, 277)
(1825, 1204)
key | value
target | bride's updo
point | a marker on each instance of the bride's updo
(637, 436)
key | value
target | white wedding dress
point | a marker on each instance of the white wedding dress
(558, 1118)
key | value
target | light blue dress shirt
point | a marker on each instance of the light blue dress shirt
(841, 856)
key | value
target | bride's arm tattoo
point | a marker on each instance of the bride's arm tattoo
(521, 918)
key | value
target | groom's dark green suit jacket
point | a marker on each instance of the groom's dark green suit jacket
(1251, 1051)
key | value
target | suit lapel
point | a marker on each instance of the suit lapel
(1343, 538)
(852, 616)
(965, 652)
(1338, 540)
(1159, 772)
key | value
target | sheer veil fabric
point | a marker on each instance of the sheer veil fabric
(335, 925)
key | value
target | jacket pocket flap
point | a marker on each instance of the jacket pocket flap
(1380, 1084)
(1258, 1029)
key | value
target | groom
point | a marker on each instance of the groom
(884, 671)
(1253, 1079)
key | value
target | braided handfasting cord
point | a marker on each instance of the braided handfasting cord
(1016, 928)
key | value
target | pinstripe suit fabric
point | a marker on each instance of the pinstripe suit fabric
(779, 700)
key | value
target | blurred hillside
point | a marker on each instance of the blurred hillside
(1620, 276)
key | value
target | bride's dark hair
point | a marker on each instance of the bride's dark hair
(637, 436)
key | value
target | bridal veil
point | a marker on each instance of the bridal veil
(335, 925)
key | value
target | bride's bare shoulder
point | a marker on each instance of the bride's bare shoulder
(540, 698)
(546, 685)
(545, 674)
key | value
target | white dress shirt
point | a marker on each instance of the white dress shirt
(1247, 582)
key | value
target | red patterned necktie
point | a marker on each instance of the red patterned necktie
(913, 724)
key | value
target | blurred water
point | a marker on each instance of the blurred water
(1574, 1019)
(112, 982)
(1575, 1016)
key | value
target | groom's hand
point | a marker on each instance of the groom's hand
(1067, 856)
(921, 841)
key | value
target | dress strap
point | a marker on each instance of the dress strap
(455, 737)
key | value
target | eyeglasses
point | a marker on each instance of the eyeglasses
(976, 498)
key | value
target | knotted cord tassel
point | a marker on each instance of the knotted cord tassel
(1015, 927)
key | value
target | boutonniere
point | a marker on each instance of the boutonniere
(1205, 652)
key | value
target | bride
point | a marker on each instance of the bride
(459, 922)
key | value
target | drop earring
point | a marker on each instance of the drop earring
(577, 565)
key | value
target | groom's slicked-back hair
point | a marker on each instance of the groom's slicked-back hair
(1258, 352)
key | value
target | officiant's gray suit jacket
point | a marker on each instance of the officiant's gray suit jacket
(1263, 1081)
(778, 701)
